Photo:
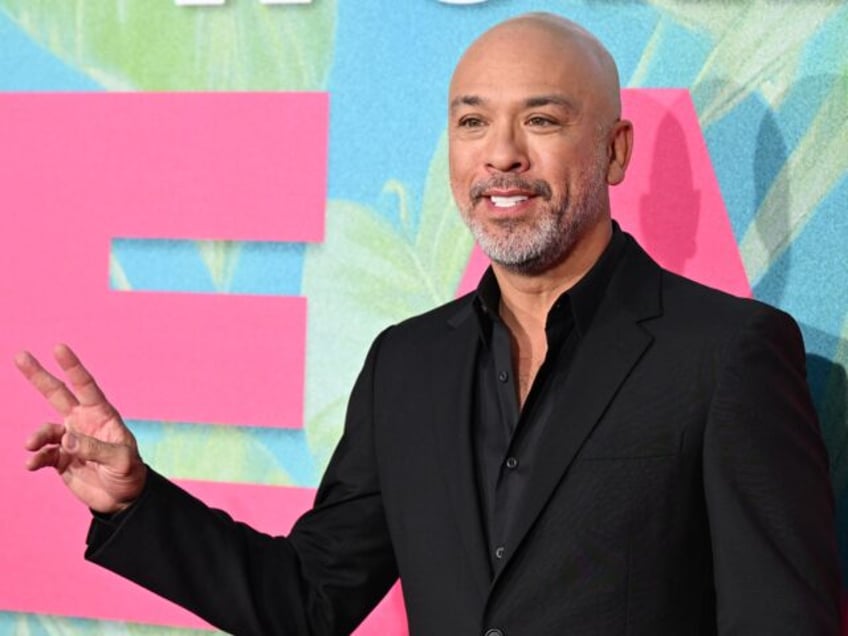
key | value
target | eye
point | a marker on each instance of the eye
(470, 121)
(541, 121)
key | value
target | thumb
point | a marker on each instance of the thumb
(91, 449)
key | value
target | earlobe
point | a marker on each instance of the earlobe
(620, 148)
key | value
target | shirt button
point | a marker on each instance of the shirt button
(499, 552)
(511, 462)
(493, 632)
(503, 376)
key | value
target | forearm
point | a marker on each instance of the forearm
(238, 579)
(322, 580)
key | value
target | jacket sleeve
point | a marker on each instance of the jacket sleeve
(767, 489)
(323, 579)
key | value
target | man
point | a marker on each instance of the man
(586, 445)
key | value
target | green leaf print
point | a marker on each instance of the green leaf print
(819, 161)
(42, 625)
(367, 275)
(753, 51)
(221, 259)
(127, 45)
(212, 453)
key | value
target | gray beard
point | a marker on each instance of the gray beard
(530, 248)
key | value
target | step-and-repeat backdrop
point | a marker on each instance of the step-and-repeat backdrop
(219, 204)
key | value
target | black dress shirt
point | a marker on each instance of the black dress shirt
(505, 436)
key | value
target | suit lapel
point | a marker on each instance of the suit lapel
(605, 357)
(452, 427)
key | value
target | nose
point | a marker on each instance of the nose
(506, 151)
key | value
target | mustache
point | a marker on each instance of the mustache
(537, 187)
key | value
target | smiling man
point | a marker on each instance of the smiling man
(556, 106)
(587, 444)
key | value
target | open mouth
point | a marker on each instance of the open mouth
(500, 201)
(507, 193)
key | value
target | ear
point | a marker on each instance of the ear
(620, 146)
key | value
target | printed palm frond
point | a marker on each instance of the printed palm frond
(819, 162)
(370, 273)
(214, 453)
(221, 259)
(43, 625)
(159, 46)
(753, 51)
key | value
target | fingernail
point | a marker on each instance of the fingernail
(71, 442)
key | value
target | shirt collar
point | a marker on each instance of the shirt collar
(583, 299)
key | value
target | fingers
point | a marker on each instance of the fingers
(48, 456)
(117, 457)
(87, 391)
(49, 386)
(47, 434)
(59, 447)
(45, 444)
(49, 440)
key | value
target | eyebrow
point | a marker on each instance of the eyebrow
(465, 100)
(552, 99)
(531, 102)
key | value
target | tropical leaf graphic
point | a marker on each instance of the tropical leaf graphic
(117, 275)
(212, 453)
(753, 52)
(41, 625)
(713, 18)
(221, 259)
(370, 273)
(126, 45)
(819, 161)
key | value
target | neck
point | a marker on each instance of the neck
(527, 299)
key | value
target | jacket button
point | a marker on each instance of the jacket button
(499, 552)
(493, 632)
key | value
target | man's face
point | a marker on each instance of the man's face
(528, 157)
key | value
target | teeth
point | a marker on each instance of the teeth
(507, 202)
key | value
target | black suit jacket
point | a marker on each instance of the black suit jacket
(683, 489)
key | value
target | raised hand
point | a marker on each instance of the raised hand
(92, 450)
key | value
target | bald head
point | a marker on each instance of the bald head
(535, 138)
(545, 40)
